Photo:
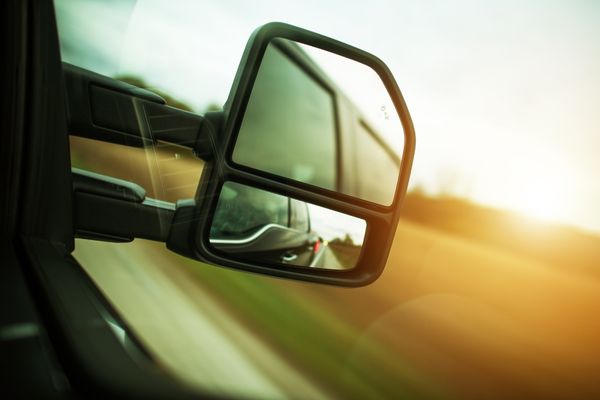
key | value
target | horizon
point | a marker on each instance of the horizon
(502, 95)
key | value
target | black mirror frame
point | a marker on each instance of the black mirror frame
(381, 220)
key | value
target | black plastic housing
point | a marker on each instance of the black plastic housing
(381, 220)
(109, 110)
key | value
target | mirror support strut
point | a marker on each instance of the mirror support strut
(113, 111)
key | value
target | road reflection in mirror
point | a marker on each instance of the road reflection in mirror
(254, 225)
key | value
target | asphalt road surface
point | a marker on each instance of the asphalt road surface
(448, 318)
(193, 336)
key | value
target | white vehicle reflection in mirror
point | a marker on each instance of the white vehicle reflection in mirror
(321, 119)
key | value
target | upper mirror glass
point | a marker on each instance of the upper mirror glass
(323, 119)
(255, 225)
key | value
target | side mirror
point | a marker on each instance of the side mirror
(309, 165)
(304, 170)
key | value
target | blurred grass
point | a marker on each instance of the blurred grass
(449, 318)
(346, 254)
(311, 334)
(474, 303)
(561, 246)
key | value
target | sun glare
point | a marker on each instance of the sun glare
(537, 193)
(540, 203)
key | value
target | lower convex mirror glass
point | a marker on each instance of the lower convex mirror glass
(255, 225)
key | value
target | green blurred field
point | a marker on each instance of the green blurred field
(474, 303)
(448, 318)
(346, 254)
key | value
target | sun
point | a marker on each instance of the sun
(538, 187)
(540, 200)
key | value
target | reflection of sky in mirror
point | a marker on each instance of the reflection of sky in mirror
(503, 94)
(330, 224)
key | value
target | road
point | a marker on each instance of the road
(448, 318)
(327, 259)
(192, 334)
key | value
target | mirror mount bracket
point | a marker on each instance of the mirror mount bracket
(209, 136)
(180, 232)
(110, 209)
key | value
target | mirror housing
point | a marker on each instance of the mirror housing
(190, 230)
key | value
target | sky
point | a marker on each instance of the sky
(504, 95)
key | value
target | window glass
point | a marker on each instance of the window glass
(288, 127)
(166, 172)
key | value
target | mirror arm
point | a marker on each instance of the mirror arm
(110, 110)
(115, 210)
(180, 238)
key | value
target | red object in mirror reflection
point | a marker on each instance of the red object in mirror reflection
(317, 246)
